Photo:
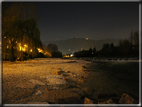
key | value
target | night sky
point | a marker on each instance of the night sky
(93, 20)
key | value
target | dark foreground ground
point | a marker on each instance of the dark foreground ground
(109, 80)
(103, 80)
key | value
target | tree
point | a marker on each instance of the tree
(111, 45)
(94, 51)
(124, 47)
(134, 38)
(11, 33)
(90, 52)
(19, 26)
(52, 48)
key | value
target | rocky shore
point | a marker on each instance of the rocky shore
(59, 81)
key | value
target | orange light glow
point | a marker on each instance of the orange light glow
(31, 50)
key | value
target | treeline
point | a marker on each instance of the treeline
(53, 50)
(20, 34)
(125, 48)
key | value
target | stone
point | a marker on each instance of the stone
(24, 94)
(70, 74)
(64, 79)
(126, 99)
(26, 85)
(56, 84)
(80, 77)
(67, 78)
(88, 101)
(38, 92)
(65, 96)
(67, 71)
(84, 66)
(57, 72)
(107, 102)
(63, 75)
(74, 75)
(52, 76)
(37, 82)
(55, 81)
(81, 80)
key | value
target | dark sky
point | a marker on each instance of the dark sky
(93, 20)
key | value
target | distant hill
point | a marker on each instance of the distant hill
(75, 44)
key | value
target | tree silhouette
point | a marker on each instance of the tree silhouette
(19, 28)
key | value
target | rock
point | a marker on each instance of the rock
(74, 75)
(70, 73)
(80, 77)
(84, 66)
(64, 79)
(67, 78)
(81, 80)
(36, 82)
(65, 96)
(88, 101)
(38, 92)
(67, 71)
(26, 85)
(63, 75)
(57, 72)
(56, 81)
(24, 94)
(126, 99)
(107, 102)
(52, 76)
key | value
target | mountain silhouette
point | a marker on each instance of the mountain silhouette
(75, 44)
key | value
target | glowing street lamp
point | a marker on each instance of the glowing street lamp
(31, 50)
